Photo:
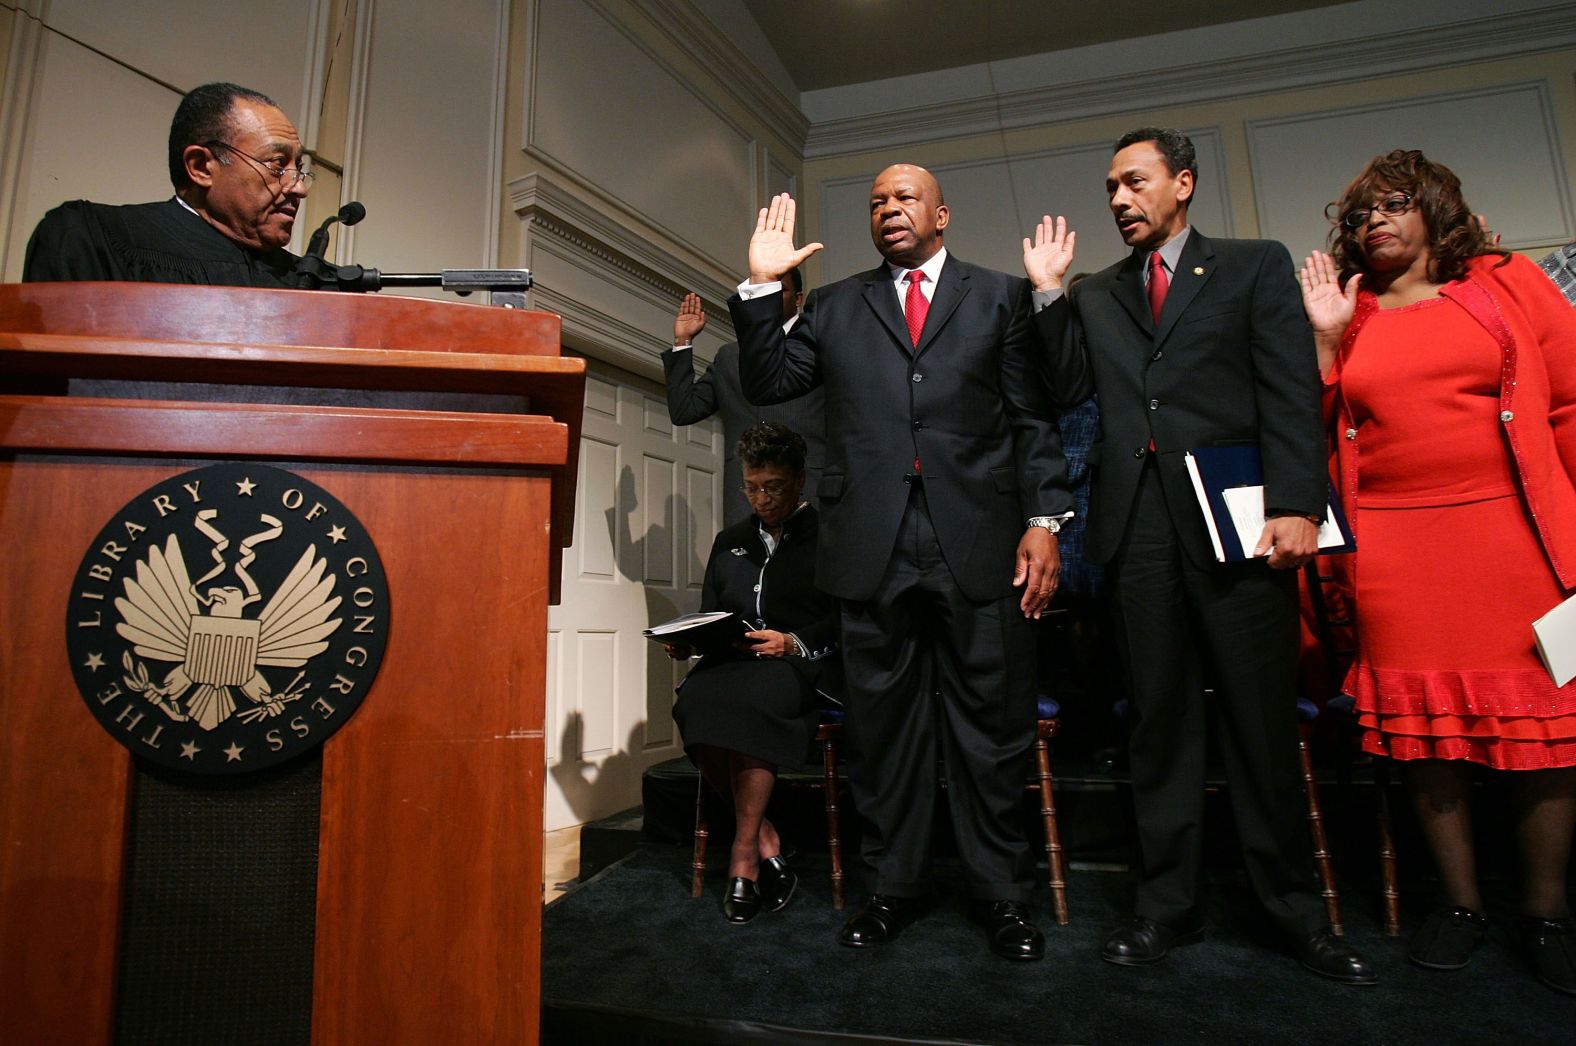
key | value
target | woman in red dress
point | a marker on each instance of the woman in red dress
(1450, 380)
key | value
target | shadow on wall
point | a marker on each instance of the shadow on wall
(594, 783)
(588, 787)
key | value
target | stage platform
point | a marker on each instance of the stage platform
(1094, 814)
(630, 957)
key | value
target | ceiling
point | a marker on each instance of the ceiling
(829, 43)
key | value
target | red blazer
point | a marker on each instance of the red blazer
(1535, 327)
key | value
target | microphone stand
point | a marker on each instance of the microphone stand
(508, 286)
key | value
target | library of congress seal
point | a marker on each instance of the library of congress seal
(227, 619)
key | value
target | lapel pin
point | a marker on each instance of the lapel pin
(1198, 270)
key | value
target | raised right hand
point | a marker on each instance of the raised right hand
(772, 252)
(1329, 306)
(691, 320)
(1047, 259)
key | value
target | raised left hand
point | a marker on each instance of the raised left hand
(1039, 569)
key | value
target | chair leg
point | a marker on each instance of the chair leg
(1387, 860)
(702, 832)
(1055, 862)
(834, 841)
(1321, 845)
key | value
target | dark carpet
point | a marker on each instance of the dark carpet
(629, 956)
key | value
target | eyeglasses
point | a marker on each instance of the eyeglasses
(1392, 205)
(288, 177)
(774, 490)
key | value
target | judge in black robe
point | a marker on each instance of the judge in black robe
(161, 242)
(238, 169)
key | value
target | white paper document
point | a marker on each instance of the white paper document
(1556, 636)
(1246, 505)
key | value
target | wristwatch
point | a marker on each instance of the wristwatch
(1051, 523)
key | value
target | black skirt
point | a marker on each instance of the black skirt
(767, 709)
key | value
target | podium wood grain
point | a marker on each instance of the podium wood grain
(429, 887)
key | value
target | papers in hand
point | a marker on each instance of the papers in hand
(709, 633)
(1556, 636)
(1229, 484)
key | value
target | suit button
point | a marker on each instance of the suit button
(919, 377)
(918, 425)
(1157, 355)
(1351, 433)
(1140, 452)
(757, 588)
(1154, 404)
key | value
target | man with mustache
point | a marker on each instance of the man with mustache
(237, 166)
(943, 491)
(1188, 342)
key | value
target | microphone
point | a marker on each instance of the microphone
(349, 214)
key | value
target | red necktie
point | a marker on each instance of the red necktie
(915, 306)
(1158, 285)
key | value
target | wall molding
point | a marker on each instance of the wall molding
(696, 35)
(532, 147)
(16, 103)
(1321, 64)
(496, 148)
(355, 121)
(576, 231)
(1538, 89)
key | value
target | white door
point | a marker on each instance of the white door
(647, 508)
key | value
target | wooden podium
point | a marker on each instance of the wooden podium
(429, 885)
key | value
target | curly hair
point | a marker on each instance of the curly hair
(769, 443)
(1454, 235)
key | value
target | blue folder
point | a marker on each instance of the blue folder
(1215, 470)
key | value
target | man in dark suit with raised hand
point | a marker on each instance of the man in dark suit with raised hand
(943, 489)
(1190, 342)
(693, 399)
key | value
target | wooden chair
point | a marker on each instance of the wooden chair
(1330, 629)
(830, 733)
(1307, 711)
(1055, 861)
(827, 735)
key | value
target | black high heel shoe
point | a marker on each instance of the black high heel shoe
(742, 902)
(777, 883)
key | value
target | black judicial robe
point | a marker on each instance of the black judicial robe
(147, 243)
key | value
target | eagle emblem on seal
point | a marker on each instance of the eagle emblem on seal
(203, 628)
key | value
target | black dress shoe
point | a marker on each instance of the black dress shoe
(1011, 930)
(1140, 941)
(742, 901)
(1447, 938)
(777, 882)
(1329, 956)
(1551, 948)
(879, 920)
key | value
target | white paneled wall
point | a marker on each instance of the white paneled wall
(644, 522)
(1501, 141)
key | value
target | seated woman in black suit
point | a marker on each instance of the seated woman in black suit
(745, 713)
